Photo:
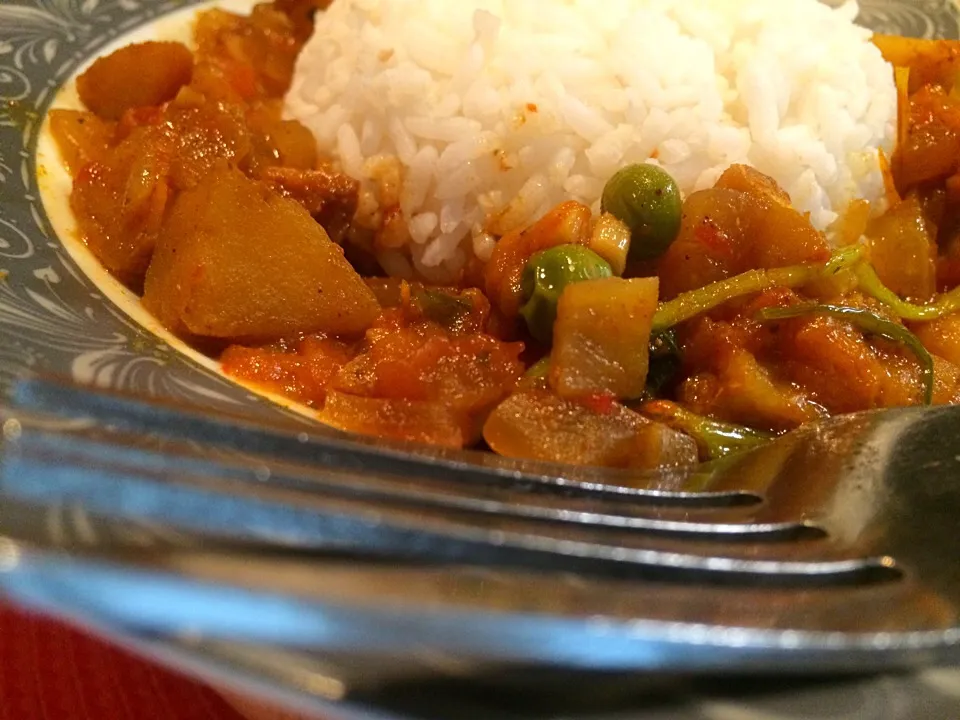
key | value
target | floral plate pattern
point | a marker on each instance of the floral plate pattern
(55, 320)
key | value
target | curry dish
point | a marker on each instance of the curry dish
(662, 331)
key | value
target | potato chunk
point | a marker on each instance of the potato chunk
(135, 76)
(395, 418)
(81, 137)
(122, 198)
(538, 425)
(745, 222)
(236, 261)
(941, 337)
(930, 61)
(903, 251)
(601, 337)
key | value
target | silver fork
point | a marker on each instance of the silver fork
(834, 547)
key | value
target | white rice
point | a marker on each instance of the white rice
(498, 109)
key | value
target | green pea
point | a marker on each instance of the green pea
(648, 201)
(545, 276)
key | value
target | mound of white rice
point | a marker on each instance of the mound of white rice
(485, 113)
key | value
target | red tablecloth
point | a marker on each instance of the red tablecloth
(51, 672)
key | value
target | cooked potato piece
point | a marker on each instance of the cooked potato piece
(278, 142)
(399, 419)
(750, 180)
(744, 392)
(81, 137)
(122, 198)
(946, 382)
(610, 240)
(930, 61)
(659, 446)
(903, 251)
(930, 147)
(541, 426)
(538, 425)
(941, 337)
(120, 204)
(745, 222)
(601, 337)
(825, 354)
(238, 262)
(135, 76)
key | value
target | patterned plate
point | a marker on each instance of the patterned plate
(55, 319)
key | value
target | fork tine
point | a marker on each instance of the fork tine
(376, 607)
(447, 496)
(330, 448)
(871, 590)
(173, 487)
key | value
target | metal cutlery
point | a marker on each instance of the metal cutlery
(834, 547)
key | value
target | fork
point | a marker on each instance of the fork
(834, 547)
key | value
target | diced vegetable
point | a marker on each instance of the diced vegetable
(903, 250)
(81, 137)
(659, 447)
(544, 278)
(541, 426)
(929, 61)
(601, 337)
(729, 230)
(746, 179)
(276, 141)
(198, 138)
(932, 147)
(901, 79)
(744, 391)
(868, 322)
(647, 200)
(120, 202)
(398, 419)
(823, 353)
(941, 337)
(567, 224)
(714, 439)
(610, 240)
(122, 196)
(134, 76)
(238, 262)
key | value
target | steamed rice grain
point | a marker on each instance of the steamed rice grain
(496, 110)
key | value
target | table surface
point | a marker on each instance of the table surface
(51, 672)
